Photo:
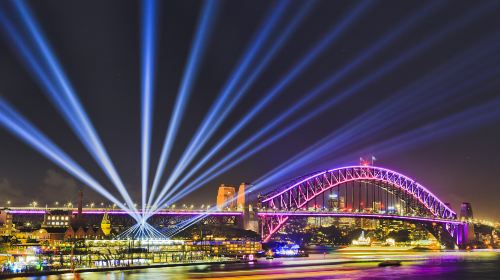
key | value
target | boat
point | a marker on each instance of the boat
(289, 251)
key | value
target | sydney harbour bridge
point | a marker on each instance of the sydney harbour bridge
(354, 192)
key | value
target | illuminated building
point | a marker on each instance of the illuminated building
(6, 225)
(88, 233)
(57, 219)
(346, 222)
(53, 234)
(226, 247)
(369, 224)
(225, 197)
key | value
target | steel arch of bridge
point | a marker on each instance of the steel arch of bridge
(293, 197)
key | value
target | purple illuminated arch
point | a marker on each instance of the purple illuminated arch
(293, 197)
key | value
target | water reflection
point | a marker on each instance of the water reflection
(359, 265)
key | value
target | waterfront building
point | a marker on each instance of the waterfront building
(83, 233)
(54, 234)
(220, 247)
(57, 219)
(6, 224)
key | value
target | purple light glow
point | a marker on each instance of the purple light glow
(27, 211)
(173, 213)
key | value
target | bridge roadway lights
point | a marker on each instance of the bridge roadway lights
(119, 212)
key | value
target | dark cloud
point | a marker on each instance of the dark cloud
(61, 184)
(10, 192)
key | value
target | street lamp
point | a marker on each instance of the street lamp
(8, 202)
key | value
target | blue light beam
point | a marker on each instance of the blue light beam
(412, 101)
(62, 95)
(309, 97)
(204, 30)
(214, 170)
(334, 33)
(195, 144)
(11, 120)
(148, 55)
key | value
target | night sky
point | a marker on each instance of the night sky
(98, 44)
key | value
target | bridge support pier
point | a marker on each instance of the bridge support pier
(462, 237)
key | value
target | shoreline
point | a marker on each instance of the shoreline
(102, 269)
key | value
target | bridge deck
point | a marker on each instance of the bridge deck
(357, 215)
(98, 211)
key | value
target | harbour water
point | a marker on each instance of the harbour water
(332, 265)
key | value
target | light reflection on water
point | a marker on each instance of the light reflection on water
(359, 265)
